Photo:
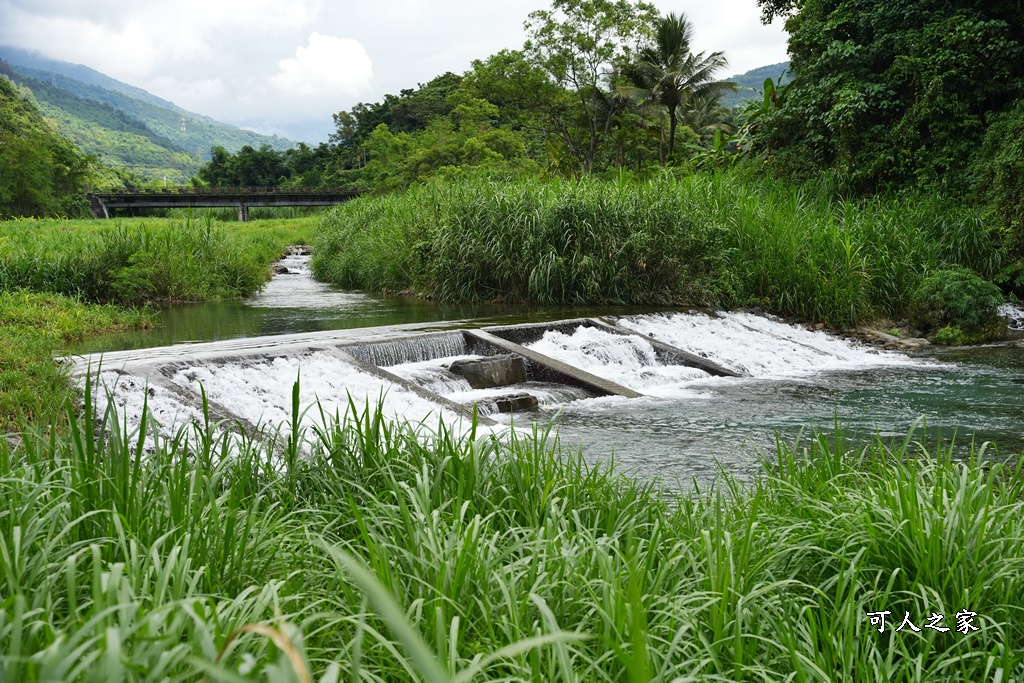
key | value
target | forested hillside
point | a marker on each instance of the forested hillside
(40, 171)
(126, 127)
(750, 85)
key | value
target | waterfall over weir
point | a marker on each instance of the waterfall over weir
(647, 385)
(412, 350)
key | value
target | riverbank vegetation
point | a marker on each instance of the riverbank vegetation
(405, 556)
(33, 329)
(716, 240)
(60, 279)
(135, 261)
(857, 137)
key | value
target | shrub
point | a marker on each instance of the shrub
(955, 297)
(998, 175)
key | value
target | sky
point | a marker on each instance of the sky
(284, 67)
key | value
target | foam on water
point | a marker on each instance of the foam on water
(129, 394)
(1014, 313)
(433, 375)
(762, 347)
(629, 361)
(262, 392)
(412, 350)
(298, 289)
(548, 395)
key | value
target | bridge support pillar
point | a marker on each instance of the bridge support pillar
(243, 213)
(97, 207)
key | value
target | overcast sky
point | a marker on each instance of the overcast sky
(285, 67)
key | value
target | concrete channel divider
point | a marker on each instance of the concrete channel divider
(371, 369)
(567, 374)
(666, 351)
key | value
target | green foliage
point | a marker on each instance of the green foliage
(34, 327)
(667, 73)
(998, 173)
(146, 260)
(575, 43)
(893, 93)
(951, 335)
(955, 297)
(300, 166)
(713, 240)
(41, 173)
(391, 553)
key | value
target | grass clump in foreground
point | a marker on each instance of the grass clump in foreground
(702, 239)
(33, 328)
(392, 555)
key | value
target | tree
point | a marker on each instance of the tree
(668, 73)
(577, 43)
(893, 92)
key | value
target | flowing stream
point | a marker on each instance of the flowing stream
(687, 426)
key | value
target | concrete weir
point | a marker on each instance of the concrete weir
(503, 362)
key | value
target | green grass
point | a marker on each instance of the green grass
(140, 260)
(57, 278)
(387, 555)
(33, 328)
(699, 240)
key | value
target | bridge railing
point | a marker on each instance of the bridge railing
(205, 191)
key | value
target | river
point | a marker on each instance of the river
(689, 424)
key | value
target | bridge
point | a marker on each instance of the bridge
(103, 204)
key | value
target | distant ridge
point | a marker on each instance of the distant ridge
(125, 126)
(751, 83)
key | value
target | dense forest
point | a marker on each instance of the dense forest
(41, 172)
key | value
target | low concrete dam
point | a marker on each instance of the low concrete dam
(677, 395)
(451, 373)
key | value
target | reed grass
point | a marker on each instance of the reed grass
(394, 553)
(33, 328)
(711, 240)
(143, 260)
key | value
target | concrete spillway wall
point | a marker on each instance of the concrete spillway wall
(370, 353)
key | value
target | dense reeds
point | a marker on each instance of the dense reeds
(138, 260)
(698, 240)
(55, 277)
(391, 553)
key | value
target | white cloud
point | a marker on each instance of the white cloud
(224, 58)
(189, 94)
(328, 65)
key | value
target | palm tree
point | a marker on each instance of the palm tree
(706, 116)
(668, 73)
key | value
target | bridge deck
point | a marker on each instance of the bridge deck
(101, 204)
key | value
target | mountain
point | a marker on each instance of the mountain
(41, 172)
(125, 126)
(751, 83)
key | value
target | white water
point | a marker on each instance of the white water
(762, 347)
(1014, 313)
(129, 393)
(549, 396)
(433, 375)
(298, 289)
(428, 348)
(629, 361)
(261, 392)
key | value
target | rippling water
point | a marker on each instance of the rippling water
(688, 425)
